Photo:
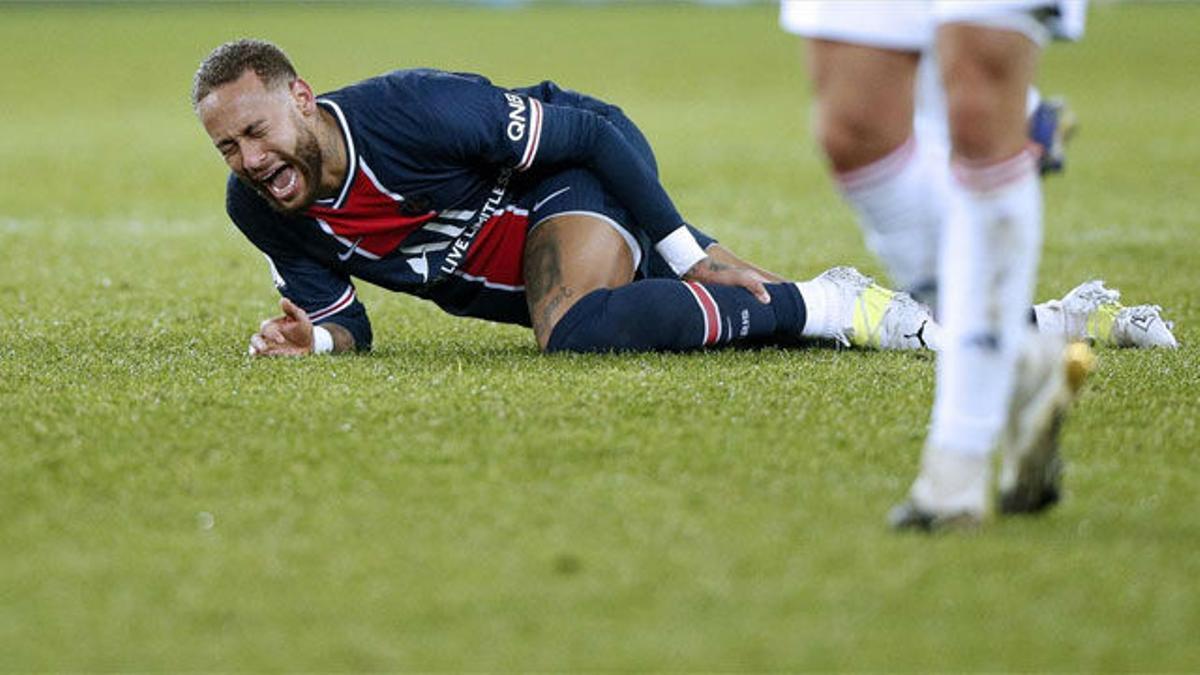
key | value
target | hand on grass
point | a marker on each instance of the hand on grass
(287, 335)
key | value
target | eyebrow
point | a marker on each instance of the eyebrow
(245, 132)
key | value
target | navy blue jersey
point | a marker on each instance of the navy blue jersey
(442, 168)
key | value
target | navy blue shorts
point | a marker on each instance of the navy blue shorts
(494, 265)
(579, 192)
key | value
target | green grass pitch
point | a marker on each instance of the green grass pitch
(454, 501)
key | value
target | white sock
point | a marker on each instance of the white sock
(822, 318)
(1033, 98)
(1051, 319)
(900, 201)
(988, 267)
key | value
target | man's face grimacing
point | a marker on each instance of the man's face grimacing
(266, 136)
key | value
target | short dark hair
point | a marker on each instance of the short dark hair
(228, 62)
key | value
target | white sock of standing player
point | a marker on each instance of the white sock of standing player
(899, 200)
(988, 267)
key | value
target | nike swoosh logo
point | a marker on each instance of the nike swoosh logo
(350, 251)
(542, 202)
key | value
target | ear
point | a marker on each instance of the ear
(303, 96)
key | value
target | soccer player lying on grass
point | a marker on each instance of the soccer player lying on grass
(537, 206)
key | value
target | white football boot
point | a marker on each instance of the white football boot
(1050, 374)
(951, 492)
(873, 317)
(1094, 313)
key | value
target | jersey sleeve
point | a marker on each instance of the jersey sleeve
(328, 296)
(478, 121)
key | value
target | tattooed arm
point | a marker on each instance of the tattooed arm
(720, 254)
(712, 271)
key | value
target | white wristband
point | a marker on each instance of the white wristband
(322, 340)
(681, 250)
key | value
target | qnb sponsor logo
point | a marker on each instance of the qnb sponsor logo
(517, 117)
(458, 251)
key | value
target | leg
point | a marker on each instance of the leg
(987, 74)
(865, 104)
(661, 314)
(1050, 122)
(578, 280)
(567, 257)
(578, 274)
(993, 233)
(864, 101)
(988, 263)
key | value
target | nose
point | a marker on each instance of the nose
(254, 155)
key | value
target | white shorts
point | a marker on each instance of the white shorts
(909, 25)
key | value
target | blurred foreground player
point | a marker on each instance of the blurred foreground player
(908, 246)
(998, 385)
(537, 206)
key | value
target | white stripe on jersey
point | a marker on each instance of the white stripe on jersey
(442, 228)
(338, 305)
(351, 170)
(371, 174)
(486, 283)
(426, 248)
(456, 215)
(276, 277)
(535, 134)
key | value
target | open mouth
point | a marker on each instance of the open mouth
(283, 182)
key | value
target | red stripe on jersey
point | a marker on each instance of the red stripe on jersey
(498, 251)
(369, 213)
(535, 134)
(708, 306)
(337, 306)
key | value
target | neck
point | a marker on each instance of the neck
(334, 159)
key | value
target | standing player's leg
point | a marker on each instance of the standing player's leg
(989, 255)
(1050, 122)
(864, 124)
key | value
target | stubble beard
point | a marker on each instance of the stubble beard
(306, 159)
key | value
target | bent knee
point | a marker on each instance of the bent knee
(854, 139)
(986, 74)
(864, 101)
(577, 320)
(548, 313)
(566, 258)
(986, 122)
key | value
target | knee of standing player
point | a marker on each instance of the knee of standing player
(978, 128)
(985, 101)
(855, 136)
